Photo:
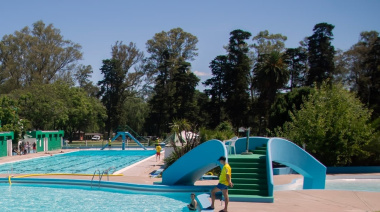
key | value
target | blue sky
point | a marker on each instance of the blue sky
(97, 25)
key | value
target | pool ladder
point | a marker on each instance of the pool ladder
(106, 171)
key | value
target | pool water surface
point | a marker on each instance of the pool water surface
(80, 162)
(21, 197)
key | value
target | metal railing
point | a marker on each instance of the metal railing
(105, 171)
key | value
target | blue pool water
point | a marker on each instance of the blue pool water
(354, 184)
(21, 197)
(349, 184)
(80, 162)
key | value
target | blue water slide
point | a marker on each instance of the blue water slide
(194, 164)
(291, 155)
(133, 138)
(123, 135)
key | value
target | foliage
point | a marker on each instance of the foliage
(236, 78)
(321, 54)
(218, 68)
(82, 76)
(135, 113)
(36, 56)
(188, 140)
(58, 106)
(373, 147)
(333, 124)
(296, 59)
(9, 117)
(284, 104)
(263, 44)
(174, 83)
(118, 81)
(223, 131)
(271, 75)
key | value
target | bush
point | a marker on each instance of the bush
(333, 124)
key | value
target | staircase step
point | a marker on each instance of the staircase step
(260, 152)
(250, 175)
(262, 186)
(251, 198)
(257, 159)
(249, 170)
(245, 165)
(249, 181)
(261, 148)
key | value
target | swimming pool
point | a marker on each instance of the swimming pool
(79, 162)
(77, 195)
(36, 198)
(335, 183)
(354, 184)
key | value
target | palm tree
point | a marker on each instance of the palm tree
(271, 74)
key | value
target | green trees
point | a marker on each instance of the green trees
(174, 84)
(333, 124)
(118, 82)
(217, 91)
(259, 84)
(296, 58)
(9, 116)
(321, 54)
(36, 56)
(59, 106)
(270, 76)
(237, 78)
(363, 64)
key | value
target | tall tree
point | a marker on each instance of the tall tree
(363, 69)
(237, 78)
(296, 60)
(184, 98)
(218, 68)
(169, 51)
(265, 43)
(82, 76)
(111, 92)
(373, 63)
(321, 54)
(119, 81)
(271, 75)
(36, 56)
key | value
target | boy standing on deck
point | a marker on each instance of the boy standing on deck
(158, 152)
(224, 182)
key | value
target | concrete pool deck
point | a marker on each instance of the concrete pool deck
(295, 201)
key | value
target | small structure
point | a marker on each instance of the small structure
(6, 143)
(124, 136)
(47, 140)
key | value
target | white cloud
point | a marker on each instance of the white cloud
(201, 74)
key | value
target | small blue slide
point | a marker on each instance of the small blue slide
(194, 164)
(124, 135)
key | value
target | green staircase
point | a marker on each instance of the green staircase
(249, 177)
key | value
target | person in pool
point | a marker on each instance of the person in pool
(224, 182)
(193, 204)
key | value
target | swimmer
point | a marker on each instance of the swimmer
(193, 204)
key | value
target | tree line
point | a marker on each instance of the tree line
(258, 83)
